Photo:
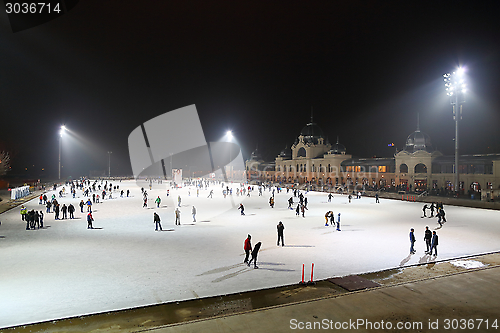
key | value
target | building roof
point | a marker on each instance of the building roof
(311, 133)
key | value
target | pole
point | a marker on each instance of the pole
(457, 118)
(60, 143)
(109, 163)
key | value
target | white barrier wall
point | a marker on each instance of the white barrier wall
(19, 192)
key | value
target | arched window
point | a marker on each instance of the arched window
(301, 152)
(403, 168)
(420, 168)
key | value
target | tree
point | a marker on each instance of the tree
(4, 163)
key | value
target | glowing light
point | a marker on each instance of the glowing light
(229, 134)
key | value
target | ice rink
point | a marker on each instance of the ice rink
(67, 270)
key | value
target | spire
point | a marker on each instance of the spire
(418, 122)
(337, 139)
(311, 114)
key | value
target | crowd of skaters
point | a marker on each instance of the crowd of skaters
(94, 191)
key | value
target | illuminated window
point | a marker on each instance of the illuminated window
(382, 168)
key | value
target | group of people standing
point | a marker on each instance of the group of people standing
(430, 238)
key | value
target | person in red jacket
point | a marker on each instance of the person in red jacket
(247, 248)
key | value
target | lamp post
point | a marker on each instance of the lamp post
(61, 132)
(109, 163)
(230, 137)
(455, 89)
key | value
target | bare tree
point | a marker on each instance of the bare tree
(4, 163)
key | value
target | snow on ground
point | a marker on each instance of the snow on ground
(68, 270)
(467, 263)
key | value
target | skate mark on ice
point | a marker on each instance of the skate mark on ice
(168, 230)
(276, 269)
(220, 269)
(405, 260)
(299, 245)
(271, 263)
(195, 294)
(205, 221)
(230, 275)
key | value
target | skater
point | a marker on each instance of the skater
(280, 227)
(271, 202)
(89, 206)
(64, 211)
(305, 203)
(338, 223)
(254, 255)
(247, 247)
(177, 216)
(121, 194)
(297, 210)
(37, 220)
(56, 211)
(327, 216)
(90, 219)
(24, 211)
(441, 211)
(290, 203)
(156, 220)
(434, 244)
(128, 192)
(242, 209)
(41, 219)
(210, 195)
(432, 209)
(412, 241)
(424, 209)
(179, 201)
(303, 210)
(145, 204)
(193, 211)
(71, 210)
(158, 202)
(427, 239)
(330, 197)
(350, 198)
(376, 198)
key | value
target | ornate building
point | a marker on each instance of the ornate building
(416, 168)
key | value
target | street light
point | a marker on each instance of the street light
(61, 132)
(230, 137)
(109, 163)
(455, 89)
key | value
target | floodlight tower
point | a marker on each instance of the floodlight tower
(455, 89)
(61, 132)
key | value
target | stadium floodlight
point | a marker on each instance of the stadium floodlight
(456, 89)
(62, 130)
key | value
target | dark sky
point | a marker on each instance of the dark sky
(366, 67)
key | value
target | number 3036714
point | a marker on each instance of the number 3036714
(31, 8)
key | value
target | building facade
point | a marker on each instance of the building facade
(417, 168)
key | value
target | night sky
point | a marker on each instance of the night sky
(365, 67)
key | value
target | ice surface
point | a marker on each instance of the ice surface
(67, 270)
